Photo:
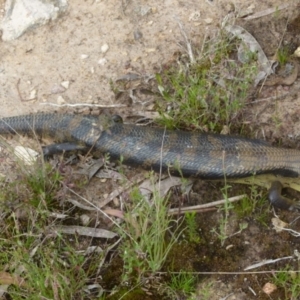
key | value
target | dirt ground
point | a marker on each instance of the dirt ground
(141, 37)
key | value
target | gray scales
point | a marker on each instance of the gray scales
(198, 155)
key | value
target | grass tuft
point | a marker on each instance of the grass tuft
(211, 92)
(147, 235)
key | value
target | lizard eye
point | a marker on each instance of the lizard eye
(117, 119)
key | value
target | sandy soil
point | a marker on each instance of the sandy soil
(140, 35)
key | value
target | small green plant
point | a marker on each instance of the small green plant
(183, 282)
(147, 239)
(228, 206)
(192, 227)
(247, 205)
(283, 55)
(209, 93)
(43, 183)
(36, 188)
(277, 13)
(244, 207)
(289, 281)
(45, 273)
(37, 260)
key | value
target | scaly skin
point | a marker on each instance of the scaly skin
(205, 156)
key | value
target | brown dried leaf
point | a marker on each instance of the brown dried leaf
(7, 279)
(114, 212)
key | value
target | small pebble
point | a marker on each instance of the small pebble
(297, 52)
(84, 219)
(57, 89)
(102, 61)
(137, 35)
(269, 288)
(149, 50)
(208, 20)
(60, 100)
(32, 95)
(65, 84)
(84, 56)
(116, 202)
(104, 48)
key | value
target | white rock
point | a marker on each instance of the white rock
(102, 61)
(33, 94)
(104, 48)
(297, 52)
(27, 155)
(149, 50)
(60, 100)
(208, 20)
(65, 84)
(85, 219)
(21, 15)
(84, 56)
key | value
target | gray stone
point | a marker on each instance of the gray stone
(21, 15)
